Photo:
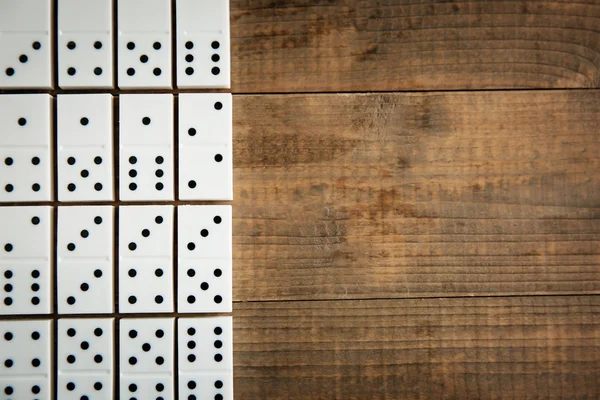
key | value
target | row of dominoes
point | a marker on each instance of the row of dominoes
(85, 44)
(85, 359)
(84, 147)
(85, 260)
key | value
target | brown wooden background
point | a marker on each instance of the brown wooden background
(417, 199)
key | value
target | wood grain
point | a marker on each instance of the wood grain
(414, 245)
(479, 348)
(412, 195)
(388, 45)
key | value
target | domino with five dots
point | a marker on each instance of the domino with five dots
(26, 147)
(85, 358)
(147, 358)
(144, 44)
(85, 147)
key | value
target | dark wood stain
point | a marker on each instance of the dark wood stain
(439, 245)
(479, 348)
(362, 46)
(456, 194)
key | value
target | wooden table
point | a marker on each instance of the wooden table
(417, 199)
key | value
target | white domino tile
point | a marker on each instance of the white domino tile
(146, 147)
(25, 44)
(205, 358)
(85, 358)
(204, 259)
(203, 44)
(205, 141)
(146, 259)
(85, 259)
(62, 259)
(85, 49)
(26, 237)
(26, 367)
(144, 44)
(147, 358)
(26, 147)
(85, 147)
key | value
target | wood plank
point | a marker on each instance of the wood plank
(388, 45)
(479, 348)
(413, 195)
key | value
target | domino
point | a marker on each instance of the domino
(85, 49)
(146, 147)
(26, 354)
(203, 44)
(85, 147)
(85, 358)
(25, 260)
(147, 358)
(204, 259)
(170, 259)
(26, 45)
(205, 358)
(144, 44)
(205, 146)
(26, 162)
(85, 260)
(146, 259)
